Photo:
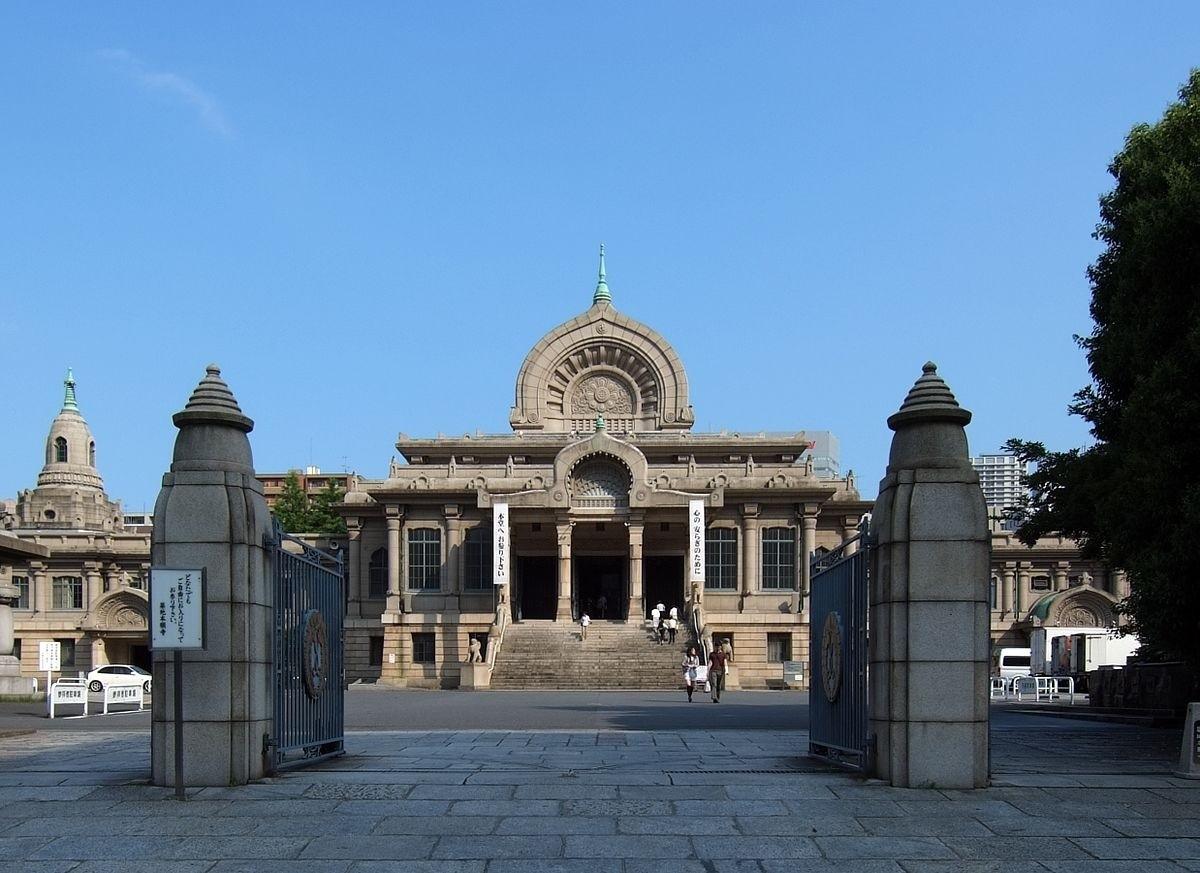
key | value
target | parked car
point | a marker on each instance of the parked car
(117, 674)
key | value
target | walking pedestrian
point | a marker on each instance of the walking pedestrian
(716, 673)
(654, 614)
(690, 662)
(602, 606)
(672, 627)
(584, 621)
(674, 613)
(660, 631)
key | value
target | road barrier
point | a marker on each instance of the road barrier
(123, 695)
(67, 692)
(1044, 688)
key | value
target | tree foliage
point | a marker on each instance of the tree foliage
(300, 514)
(1133, 497)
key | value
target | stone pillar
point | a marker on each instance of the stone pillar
(849, 532)
(1008, 593)
(40, 598)
(808, 545)
(929, 643)
(91, 584)
(1024, 586)
(358, 582)
(395, 594)
(637, 609)
(211, 513)
(10, 667)
(1061, 571)
(749, 550)
(99, 656)
(454, 564)
(563, 612)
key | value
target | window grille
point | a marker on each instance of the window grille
(477, 559)
(68, 592)
(720, 559)
(424, 648)
(424, 559)
(779, 558)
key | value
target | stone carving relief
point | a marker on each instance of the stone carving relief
(599, 482)
(601, 394)
(1079, 616)
(124, 612)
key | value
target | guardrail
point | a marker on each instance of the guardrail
(1036, 689)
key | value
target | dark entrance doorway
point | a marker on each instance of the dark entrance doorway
(600, 586)
(139, 656)
(664, 582)
(537, 587)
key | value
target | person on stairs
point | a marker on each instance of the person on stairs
(584, 621)
(690, 662)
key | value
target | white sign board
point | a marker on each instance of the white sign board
(695, 540)
(118, 694)
(500, 543)
(73, 694)
(176, 608)
(50, 655)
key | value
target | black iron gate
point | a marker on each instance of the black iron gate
(308, 658)
(838, 652)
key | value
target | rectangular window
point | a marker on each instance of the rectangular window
(993, 593)
(424, 648)
(66, 653)
(425, 559)
(1040, 583)
(377, 574)
(23, 600)
(138, 580)
(68, 592)
(477, 559)
(779, 648)
(779, 558)
(720, 559)
(375, 652)
(17, 649)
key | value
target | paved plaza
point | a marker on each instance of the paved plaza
(1066, 796)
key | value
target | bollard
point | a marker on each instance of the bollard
(1189, 753)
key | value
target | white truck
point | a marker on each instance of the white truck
(1043, 650)
(1074, 651)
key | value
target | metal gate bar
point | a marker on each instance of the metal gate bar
(838, 653)
(308, 656)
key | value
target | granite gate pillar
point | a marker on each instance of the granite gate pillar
(929, 618)
(211, 513)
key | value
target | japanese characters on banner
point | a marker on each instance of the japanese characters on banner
(176, 608)
(500, 543)
(695, 540)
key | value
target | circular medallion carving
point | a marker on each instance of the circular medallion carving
(558, 495)
(316, 653)
(641, 495)
(602, 394)
(600, 328)
(831, 657)
(1079, 616)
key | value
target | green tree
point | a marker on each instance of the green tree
(291, 506)
(322, 513)
(1133, 497)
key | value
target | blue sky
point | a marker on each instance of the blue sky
(368, 217)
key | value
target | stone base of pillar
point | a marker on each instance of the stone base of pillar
(731, 677)
(474, 677)
(12, 684)
(563, 613)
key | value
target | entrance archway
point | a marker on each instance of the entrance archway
(536, 594)
(601, 587)
(663, 581)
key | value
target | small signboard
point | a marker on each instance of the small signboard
(500, 543)
(68, 692)
(793, 673)
(50, 656)
(176, 608)
(695, 540)
(123, 694)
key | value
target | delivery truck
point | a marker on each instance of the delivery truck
(1042, 650)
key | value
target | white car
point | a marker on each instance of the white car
(117, 674)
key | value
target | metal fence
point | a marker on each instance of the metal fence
(838, 653)
(308, 657)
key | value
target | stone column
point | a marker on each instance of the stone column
(454, 564)
(91, 584)
(808, 545)
(395, 594)
(358, 583)
(1024, 587)
(99, 656)
(637, 609)
(40, 597)
(563, 612)
(1008, 588)
(929, 643)
(849, 532)
(749, 550)
(211, 513)
(1061, 571)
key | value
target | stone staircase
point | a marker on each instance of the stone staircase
(616, 655)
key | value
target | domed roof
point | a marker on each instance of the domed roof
(602, 363)
(70, 447)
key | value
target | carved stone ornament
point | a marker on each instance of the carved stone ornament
(1079, 616)
(599, 482)
(831, 657)
(602, 394)
(315, 656)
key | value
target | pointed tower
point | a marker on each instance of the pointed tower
(70, 491)
(602, 296)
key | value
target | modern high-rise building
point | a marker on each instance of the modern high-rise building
(1000, 479)
(826, 454)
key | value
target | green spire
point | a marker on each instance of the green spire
(69, 399)
(602, 294)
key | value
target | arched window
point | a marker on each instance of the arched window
(92, 453)
(377, 574)
(477, 559)
(60, 450)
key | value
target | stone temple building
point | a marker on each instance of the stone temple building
(85, 584)
(598, 474)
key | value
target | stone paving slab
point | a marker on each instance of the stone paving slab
(497, 801)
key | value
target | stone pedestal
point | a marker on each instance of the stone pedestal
(929, 601)
(731, 677)
(474, 677)
(211, 513)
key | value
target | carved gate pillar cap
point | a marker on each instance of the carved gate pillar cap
(213, 403)
(929, 400)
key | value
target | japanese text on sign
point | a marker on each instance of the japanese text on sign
(695, 540)
(500, 543)
(177, 604)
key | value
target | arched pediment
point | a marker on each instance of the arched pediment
(125, 610)
(1081, 606)
(602, 362)
(598, 467)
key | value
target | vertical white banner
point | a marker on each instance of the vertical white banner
(500, 544)
(696, 541)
